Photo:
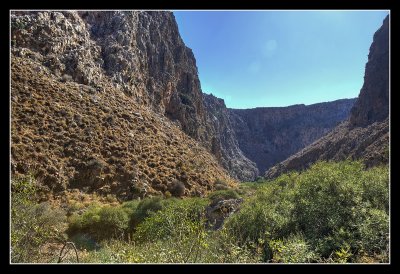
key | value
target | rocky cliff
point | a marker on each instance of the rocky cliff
(269, 135)
(138, 52)
(365, 135)
(141, 53)
(99, 101)
(224, 140)
(373, 102)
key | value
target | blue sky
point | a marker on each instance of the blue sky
(280, 58)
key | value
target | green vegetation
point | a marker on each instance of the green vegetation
(18, 25)
(223, 195)
(332, 212)
(293, 249)
(340, 208)
(220, 185)
(32, 224)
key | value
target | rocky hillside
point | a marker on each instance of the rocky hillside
(73, 136)
(365, 135)
(269, 135)
(90, 97)
(137, 52)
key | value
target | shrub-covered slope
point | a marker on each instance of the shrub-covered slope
(72, 135)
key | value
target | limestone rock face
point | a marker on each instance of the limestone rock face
(61, 42)
(223, 140)
(373, 102)
(269, 135)
(140, 52)
(365, 135)
(144, 53)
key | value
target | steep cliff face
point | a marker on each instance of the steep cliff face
(144, 53)
(373, 102)
(138, 52)
(89, 92)
(224, 143)
(141, 53)
(365, 135)
(270, 135)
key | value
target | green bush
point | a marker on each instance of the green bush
(248, 188)
(293, 249)
(180, 224)
(215, 248)
(331, 212)
(223, 195)
(266, 214)
(325, 193)
(342, 255)
(175, 234)
(375, 184)
(100, 222)
(113, 222)
(32, 224)
(107, 222)
(334, 205)
(143, 210)
(130, 207)
(222, 247)
(174, 218)
(334, 201)
(374, 232)
(85, 223)
(84, 241)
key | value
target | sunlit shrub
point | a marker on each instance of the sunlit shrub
(32, 224)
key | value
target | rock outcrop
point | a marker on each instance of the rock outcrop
(365, 135)
(269, 135)
(219, 210)
(137, 52)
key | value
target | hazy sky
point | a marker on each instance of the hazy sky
(280, 58)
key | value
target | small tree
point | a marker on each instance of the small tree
(177, 188)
